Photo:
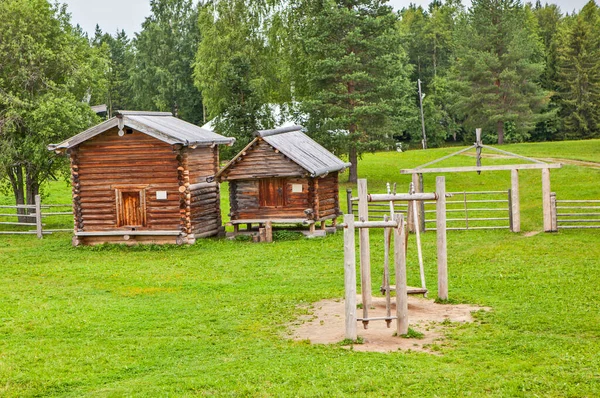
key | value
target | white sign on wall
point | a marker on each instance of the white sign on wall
(296, 188)
(161, 195)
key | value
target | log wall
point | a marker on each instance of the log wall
(107, 162)
(203, 162)
(244, 199)
(328, 203)
(205, 200)
(262, 161)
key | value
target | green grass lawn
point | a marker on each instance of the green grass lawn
(211, 319)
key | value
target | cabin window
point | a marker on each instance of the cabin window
(272, 192)
(131, 207)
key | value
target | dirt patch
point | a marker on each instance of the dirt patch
(531, 233)
(326, 324)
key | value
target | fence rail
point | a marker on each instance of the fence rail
(486, 213)
(32, 216)
(571, 214)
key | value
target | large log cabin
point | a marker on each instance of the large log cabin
(283, 176)
(142, 177)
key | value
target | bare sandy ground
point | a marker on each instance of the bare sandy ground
(326, 324)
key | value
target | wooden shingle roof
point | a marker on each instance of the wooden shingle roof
(160, 125)
(299, 148)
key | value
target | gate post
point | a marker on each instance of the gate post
(38, 216)
(547, 207)
(554, 211)
(515, 208)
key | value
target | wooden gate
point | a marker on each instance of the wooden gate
(571, 214)
(475, 210)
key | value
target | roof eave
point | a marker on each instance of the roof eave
(326, 170)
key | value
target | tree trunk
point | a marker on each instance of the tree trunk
(353, 158)
(500, 132)
(15, 176)
(32, 189)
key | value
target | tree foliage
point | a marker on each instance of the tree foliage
(579, 74)
(499, 61)
(47, 69)
(118, 53)
(350, 74)
(161, 75)
(238, 67)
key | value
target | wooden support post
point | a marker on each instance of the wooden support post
(387, 240)
(262, 234)
(553, 209)
(365, 248)
(401, 287)
(38, 216)
(516, 206)
(323, 226)
(410, 217)
(236, 228)
(350, 276)
(419, 249)
(268, 231)
(546, 200)
(415, 213)
(421, 203)
(442, 257)
(349, 201)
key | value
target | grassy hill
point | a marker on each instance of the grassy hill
(212, 318)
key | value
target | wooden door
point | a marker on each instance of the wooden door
(131, 209)
(272, 192)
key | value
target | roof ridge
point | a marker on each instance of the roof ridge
(280, 130)
(143, 113)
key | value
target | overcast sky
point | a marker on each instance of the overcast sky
(113, 15)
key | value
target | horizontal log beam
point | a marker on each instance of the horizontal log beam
(273, 220)
(483, 168)
(403, 196)
(130, 233)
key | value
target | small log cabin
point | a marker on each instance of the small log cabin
(283, 176)
(141, 177)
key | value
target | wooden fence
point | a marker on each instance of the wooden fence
(475, 210)
(33, 217)
(569, 214)
(464, 210)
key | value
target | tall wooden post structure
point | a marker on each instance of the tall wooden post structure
(513, 168)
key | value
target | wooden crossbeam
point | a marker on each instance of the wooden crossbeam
(535, 166)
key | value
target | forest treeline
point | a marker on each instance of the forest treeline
(348, 70)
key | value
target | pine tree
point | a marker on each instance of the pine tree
(499, 61)
(350, 74)
(119, 56)
(162, 72)
(237, 68)
(579, 74)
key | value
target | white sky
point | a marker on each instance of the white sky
(113, 15)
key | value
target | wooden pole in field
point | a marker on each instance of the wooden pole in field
(365, 249)
(516, 205)
(350, 276)
(400, 266)
(38, 216)
(442, 256)
(547, 207)
(553, 209)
